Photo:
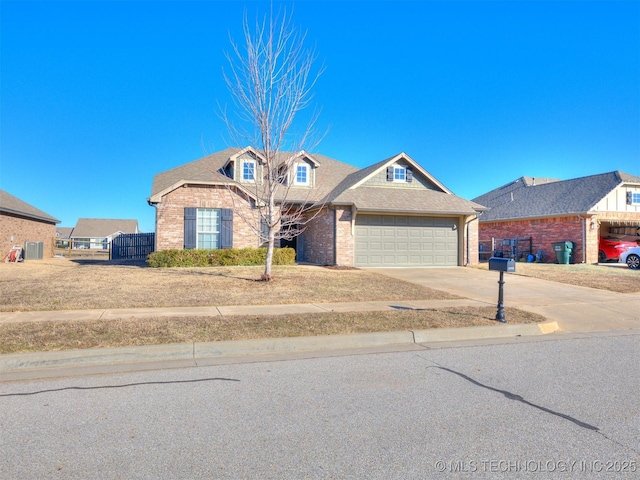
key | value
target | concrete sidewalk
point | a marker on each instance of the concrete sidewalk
(216, 311)
(568, 308)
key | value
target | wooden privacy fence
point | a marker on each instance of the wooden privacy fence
(132, 246)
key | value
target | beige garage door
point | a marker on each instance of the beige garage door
(395, 241)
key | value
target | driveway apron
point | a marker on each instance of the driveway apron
(576, 309)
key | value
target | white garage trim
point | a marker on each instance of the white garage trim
(402, 240)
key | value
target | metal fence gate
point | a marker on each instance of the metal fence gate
(132, 246)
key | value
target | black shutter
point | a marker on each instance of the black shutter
(409, 175)
(390, 174)
(226, 228)
(629, 197)
(190, 220)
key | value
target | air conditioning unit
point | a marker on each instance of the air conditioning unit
(33, 250)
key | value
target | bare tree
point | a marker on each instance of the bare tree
(270, 80)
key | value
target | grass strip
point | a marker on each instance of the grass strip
(65, 335)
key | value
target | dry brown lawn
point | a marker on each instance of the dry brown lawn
(44, 336)
(61, 284)
(613, 277)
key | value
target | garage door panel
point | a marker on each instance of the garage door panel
(383, 240)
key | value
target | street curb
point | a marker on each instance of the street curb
(482, 332)
(193, 352)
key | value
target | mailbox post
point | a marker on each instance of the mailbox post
(501, 265)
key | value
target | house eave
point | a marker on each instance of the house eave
(541, 217)
(52, 220)
(157, 198)
(392, 211)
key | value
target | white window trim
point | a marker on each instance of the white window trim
(253, 164)
(635, 198)
(198, 227)
(295, 174)
(398, 168)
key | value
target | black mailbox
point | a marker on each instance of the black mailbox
(502, 264)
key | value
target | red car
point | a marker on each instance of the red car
(612, 248)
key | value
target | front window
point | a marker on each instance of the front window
(635, 198)
(208, 228)
(399, 174)
(302, 175)
(249, 170)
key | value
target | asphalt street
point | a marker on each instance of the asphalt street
(553, 407)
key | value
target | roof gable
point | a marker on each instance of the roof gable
(368, 173)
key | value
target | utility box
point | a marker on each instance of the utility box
(33, 250)
(502, 264)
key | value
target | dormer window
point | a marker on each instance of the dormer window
(302, 175)
(249, 170)
(399, 174)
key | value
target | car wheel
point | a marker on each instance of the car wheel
(633, 261)
(602, 257)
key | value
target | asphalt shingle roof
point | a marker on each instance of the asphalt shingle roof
(11, 204)
(102, 227)
(407, 200)
(334, 181)
(524, 198)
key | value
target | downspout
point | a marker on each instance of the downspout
(468, 246)
(584, 238)
(477, 215)
(335, 236)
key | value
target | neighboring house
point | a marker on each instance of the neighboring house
(393, 213)
(96, 233)
(580, 210)
(63, 234)
(21, 223)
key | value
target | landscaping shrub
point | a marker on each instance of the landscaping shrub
(219, 258)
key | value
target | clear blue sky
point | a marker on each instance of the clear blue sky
(97, 97)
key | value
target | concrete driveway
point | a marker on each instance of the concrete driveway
(576, 309)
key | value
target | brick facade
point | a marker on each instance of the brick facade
(328, 238)
(470, 243)
(345, 238)
(337, 223)
(543, 233)
(584, 231)
(318, 245)
(170, 215)
(25, 230)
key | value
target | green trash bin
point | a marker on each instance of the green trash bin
(563, 252)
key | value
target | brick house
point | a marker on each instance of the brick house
(21, 223)
(580, 210)
(392, 213)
